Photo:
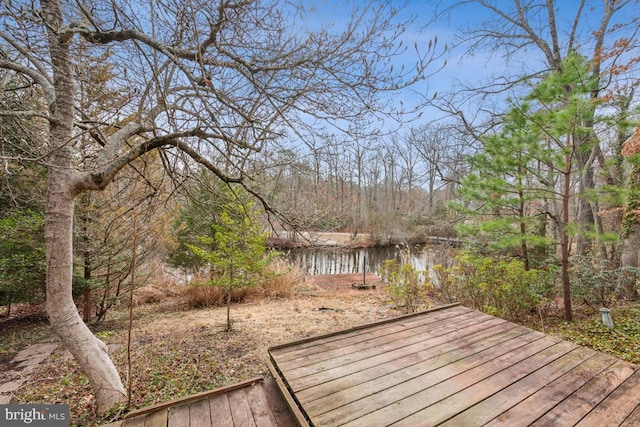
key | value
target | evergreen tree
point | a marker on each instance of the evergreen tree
(564, 109)
(202, 205)
(237, 255)
(503, 189)
(22, 259)
(529, 170)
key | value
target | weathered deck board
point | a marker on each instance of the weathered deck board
(371, 339)
(617, 406)
(156, 419)
(398, 355)
(455, 367)
(200, 413)
(506, 398)
(221, 410)
(544, 400)
(252, 403)
(178, 415)
(410, 379)
(276, 402)
(259, 409)
(240, 409)
(435, 385)
(632, 420)
(572, 409)
(464, 390)
(323, 361)
(286, 352)
(341, 379)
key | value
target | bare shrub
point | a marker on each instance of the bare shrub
(152, 293)
(200, 294)
(280, 279)
(408, 288)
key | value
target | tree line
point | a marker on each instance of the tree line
(110, 117)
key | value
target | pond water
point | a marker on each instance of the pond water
(322, 260)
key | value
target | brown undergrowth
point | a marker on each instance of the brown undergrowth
(179, 351)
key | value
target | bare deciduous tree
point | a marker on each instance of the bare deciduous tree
(212, 81)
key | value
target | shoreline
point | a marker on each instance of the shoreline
(349, 240)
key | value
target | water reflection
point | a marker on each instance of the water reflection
(315, 261)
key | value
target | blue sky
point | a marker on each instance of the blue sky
(462, 66)
(467, 69)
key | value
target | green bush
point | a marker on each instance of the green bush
(22, 259)
(501, 287)
(597, 282)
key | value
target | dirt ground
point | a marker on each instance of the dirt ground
(321, 305)
(176, 351)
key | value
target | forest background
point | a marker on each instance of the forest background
(127, 137)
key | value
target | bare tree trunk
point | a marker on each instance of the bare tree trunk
(631, 233)
(564, 242)
(630, 259)
(523, 233)
(86, 255)
(586, 218)
(88, 351)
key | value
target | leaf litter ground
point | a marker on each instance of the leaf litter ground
(177, 352)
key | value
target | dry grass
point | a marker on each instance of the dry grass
(177, 351)
(279, 280)
(199, 295)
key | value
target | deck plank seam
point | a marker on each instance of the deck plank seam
(443, 380)
(324, 365)
(428, 354)
(400, 368)
(427, 335)
(275, 348)
(566, 365)
(295, 351)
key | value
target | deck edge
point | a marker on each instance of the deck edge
(359, 327)
(192, 397)
(291, 402)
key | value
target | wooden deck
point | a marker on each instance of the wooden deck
(456, 367)
(252, 403)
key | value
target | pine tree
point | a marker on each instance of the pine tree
(503, 189)
(528, 172)
(237, 255)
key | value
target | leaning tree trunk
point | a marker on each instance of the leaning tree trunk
(88, 351)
